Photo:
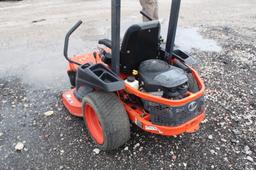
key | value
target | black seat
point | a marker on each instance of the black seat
(140, 43)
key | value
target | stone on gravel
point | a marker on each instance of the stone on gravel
(135, 146)
(19, 146)
(210, 137)
(174, 157)
(96, 151)
(213, 152)
(223, 140)
(234, 141)
(48, 113)
(205, 121)
(249, 158)
(1, 134)
(247, 150)
(126, 148)
(222, 124)
(236, 132)
(62, 152)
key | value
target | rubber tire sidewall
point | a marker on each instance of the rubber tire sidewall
(114, 120)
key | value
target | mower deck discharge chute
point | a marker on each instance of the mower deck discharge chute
(140, 82)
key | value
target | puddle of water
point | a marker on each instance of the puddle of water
(189, 38)
(40, 65)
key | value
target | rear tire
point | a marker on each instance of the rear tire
(110, 127)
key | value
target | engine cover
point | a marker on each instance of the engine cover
(156, 75)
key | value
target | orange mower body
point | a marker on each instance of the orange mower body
(134, 81)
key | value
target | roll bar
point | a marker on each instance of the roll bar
(173, 21)
(115, 35)
(66, 43)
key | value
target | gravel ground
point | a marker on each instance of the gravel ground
(31, 64)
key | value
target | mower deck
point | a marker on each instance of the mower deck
(73, 105)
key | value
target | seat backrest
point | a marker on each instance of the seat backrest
(140, 43)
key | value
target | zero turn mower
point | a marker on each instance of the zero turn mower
(140, 83)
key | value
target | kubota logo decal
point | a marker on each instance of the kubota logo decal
(192, 106)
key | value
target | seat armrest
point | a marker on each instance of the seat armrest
(105, 42)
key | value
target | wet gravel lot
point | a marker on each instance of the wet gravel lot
(226, 140)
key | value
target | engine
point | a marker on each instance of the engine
(161, 79)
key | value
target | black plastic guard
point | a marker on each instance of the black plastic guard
(105, 42)
(185, 58)
(98, 76)
(174, 116)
